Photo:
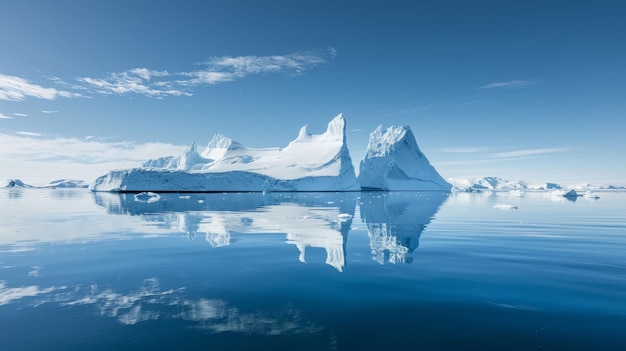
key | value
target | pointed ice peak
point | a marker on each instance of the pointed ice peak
(380, 143)
(336, 129)
(220, 141)
(303, 134)
(335, 132)
(189, 158)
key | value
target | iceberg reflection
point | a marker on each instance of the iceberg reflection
(394, 221)
(317, 220)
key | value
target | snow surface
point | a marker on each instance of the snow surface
(309, 163)
(394, 162)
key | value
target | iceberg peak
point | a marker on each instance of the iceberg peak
(336, 130)
(303, 135)
(220, 141)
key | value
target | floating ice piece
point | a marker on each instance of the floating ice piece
(344, 217)
(590, 195)
(147, 197)
(571, 194)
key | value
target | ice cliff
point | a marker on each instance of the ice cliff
(394, 162)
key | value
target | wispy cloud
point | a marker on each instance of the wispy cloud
(14, 88)
(20, 114)
(481, 157)
(530, 152)
(216, 70)
(29, 134)
(49, 111)
(136, 81)
(511, 84)
(74, 158)
(3, 116)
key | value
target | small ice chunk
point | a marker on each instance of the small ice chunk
(147, 197)
(505, 207)
(344, 217)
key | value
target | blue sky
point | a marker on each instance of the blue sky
(532, 90)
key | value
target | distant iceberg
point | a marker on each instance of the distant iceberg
(309, 163)
(14, 183)
(487, 184)
(67, 183)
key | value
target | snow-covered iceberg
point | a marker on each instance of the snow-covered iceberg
(309, 163)
(67, 183)
(394, 162)
(487, 184)
(14, 183)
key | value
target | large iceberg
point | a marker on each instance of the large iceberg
(394, 162)
(309, 163)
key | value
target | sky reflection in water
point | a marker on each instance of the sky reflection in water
(313, 270)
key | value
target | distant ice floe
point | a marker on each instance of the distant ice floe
(505, 207)
(519, 188)
(59, 183)
(590, 195)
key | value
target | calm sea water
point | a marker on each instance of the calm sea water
(311, 271)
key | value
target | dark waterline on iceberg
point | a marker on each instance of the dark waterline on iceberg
(311, 271)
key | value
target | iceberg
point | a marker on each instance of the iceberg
(309, 163)
(67, 183)
(14, 183)
(487, 184)
(394, 162)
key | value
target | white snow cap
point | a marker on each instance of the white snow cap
(309, 163)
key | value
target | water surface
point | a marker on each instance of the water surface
(311, 271)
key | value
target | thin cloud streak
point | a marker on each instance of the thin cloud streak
(512, 84)
(14, 88)
(478, 161)
(3, 116)
(29, 134)
(530, 152)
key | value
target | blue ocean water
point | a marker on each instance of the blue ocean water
(311, 271)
